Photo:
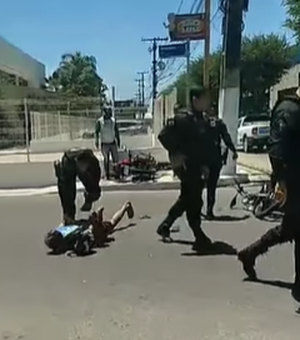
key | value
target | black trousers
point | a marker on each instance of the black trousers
(189, 201)
(211, 185)
(289, 229)
(84, 165)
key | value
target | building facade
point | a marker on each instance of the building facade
(19, 68)
(288, 84)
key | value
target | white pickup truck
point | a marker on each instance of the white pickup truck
(253, 132)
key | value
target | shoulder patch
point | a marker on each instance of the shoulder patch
(171, 122)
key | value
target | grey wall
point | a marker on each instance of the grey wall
(17, 62)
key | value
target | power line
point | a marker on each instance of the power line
(154, 42)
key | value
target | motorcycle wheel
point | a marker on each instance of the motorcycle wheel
(263, 207)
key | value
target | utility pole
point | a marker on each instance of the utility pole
(142, 93)
(229, 98)
(139, 91)
(142, 74)
(154, 42)
(207, 44)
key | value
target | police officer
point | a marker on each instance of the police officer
(218, 131)
(185, 137)
(284, 154)
(81, 163)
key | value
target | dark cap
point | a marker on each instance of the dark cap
(198, 92)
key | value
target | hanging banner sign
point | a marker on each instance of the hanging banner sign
(187, 26)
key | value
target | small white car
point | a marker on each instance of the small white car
(253, 132)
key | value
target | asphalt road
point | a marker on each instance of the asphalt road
(138, 288)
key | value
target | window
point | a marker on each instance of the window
(23, 82)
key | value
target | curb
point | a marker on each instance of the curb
(255, 168)
(117, 187)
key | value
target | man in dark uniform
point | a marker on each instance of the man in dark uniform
(81, 163)
(218, 131)
(185, 137)
(284, 154)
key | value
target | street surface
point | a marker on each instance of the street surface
(138, 288)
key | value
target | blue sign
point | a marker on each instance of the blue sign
(173, 51)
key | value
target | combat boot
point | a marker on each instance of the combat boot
(249, 254)
(202, 242)
(296, 286)
(210, 216)
(163, 229)
(296, 291)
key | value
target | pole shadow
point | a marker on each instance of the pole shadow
(228, 218)
(128, 226)
(216, 248)
(272, 283)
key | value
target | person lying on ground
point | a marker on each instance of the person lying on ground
(81, 236)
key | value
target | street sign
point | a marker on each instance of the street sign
(187, 26)
(172, 51)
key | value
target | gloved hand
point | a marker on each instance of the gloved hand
(235, 156)
(177, 161)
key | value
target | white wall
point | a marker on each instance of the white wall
(17, 62)
(288, 80)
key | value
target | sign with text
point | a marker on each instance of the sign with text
(187, 26)
(172, 51)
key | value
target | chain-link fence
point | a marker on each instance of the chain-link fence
(33, 126)
(36, 126)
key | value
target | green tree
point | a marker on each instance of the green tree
(265, 58)
(292, 21)
(76, 76)
(195, 78)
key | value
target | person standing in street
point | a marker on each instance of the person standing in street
(186, 137)
(284, 154)
(107, 133)
(219, 132)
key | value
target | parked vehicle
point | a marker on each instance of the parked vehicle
(253, 132)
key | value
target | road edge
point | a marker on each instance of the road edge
(225, 181)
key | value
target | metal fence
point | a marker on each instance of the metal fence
(48, 126)
(37, 126)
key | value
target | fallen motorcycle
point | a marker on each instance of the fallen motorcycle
(263, 204)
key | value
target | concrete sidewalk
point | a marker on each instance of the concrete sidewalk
(16, 173)
(258, 162)
(165, 181)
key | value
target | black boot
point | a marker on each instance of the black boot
(202, 241)
(210, 214)
(249, 254)
(296, 286)
(296, 291)
(163, 229)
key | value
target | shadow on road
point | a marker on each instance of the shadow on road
(217, 248)
(272, 283)
(229, 218)
(130, 225)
